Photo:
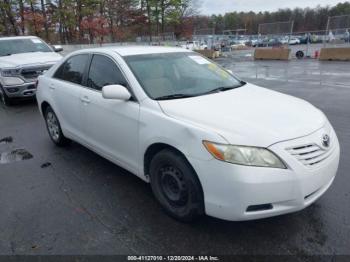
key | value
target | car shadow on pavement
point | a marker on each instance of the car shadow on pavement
(126, 205)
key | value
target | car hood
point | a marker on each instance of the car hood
(25, 59)
(249, 115)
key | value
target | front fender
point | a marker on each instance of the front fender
(156, 127)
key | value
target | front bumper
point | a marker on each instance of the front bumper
(26, 90)
(231, 190)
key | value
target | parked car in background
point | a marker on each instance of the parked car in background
(238, 45)
(290, 40)
(313, 39)
(22, 60)
(294, 41)
(253, 42)
(284, 40)
(194, 45)
(207, 142)
(274, 42)
(260, 42)
(304, 40)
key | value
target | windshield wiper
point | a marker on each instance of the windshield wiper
(174, 96)
(220, 89)
(224, 88)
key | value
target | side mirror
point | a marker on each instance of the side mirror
(118, 92)
(57, 48)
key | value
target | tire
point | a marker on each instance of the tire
(5, 99)
(176, 186)
(299, 54)
(54, 128)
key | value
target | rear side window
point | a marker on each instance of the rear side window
(73, 69)
(103, 71)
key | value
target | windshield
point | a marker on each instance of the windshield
(17, 46)
(177, 75)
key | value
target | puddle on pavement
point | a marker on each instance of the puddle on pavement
(45, 165)
(6, 140)
(15, 156)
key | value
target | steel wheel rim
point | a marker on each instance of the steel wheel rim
(52, 125)
(173, 186)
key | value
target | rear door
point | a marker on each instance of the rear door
(110, 126)
(66, 87)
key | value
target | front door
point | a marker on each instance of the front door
(110, 126)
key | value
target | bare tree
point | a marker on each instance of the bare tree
(164, 5)
(60, 20)
(149, 15)
(32, 9)
(10, 16)
(3, 20)
(79, 16)
(21, 14)
(111, 15)
(43, 10)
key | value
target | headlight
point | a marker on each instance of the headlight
(244, 155)
(10, 72)
(12, 81)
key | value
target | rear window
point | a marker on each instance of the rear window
(73, 69)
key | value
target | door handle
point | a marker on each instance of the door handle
(85, 100)
(52, 87)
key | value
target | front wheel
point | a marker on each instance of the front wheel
(5, 99)
(176, 186)
(54, 128)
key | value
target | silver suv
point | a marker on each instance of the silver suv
(22, 60)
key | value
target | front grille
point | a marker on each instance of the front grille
(33, 72)
(310, 154)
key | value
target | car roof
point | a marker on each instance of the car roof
(136, 50)
(17, 37)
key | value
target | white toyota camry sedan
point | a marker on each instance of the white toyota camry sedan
(207, 142)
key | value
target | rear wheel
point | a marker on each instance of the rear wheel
(176, 186)
(54, 128)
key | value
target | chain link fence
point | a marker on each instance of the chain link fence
(162, 37)
(275, 34)
(204, 38)
(270, 35)
(204, 31)
(278, 28)
(338, 31)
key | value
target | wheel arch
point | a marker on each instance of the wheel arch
(151, 151)
(154, 148)
(44, 105)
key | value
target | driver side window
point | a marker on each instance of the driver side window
(103, 71)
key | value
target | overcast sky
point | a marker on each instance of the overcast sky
(222, 6)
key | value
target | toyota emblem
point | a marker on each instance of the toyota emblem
(326, 140)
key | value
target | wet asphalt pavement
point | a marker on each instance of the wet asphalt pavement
(72, 201)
